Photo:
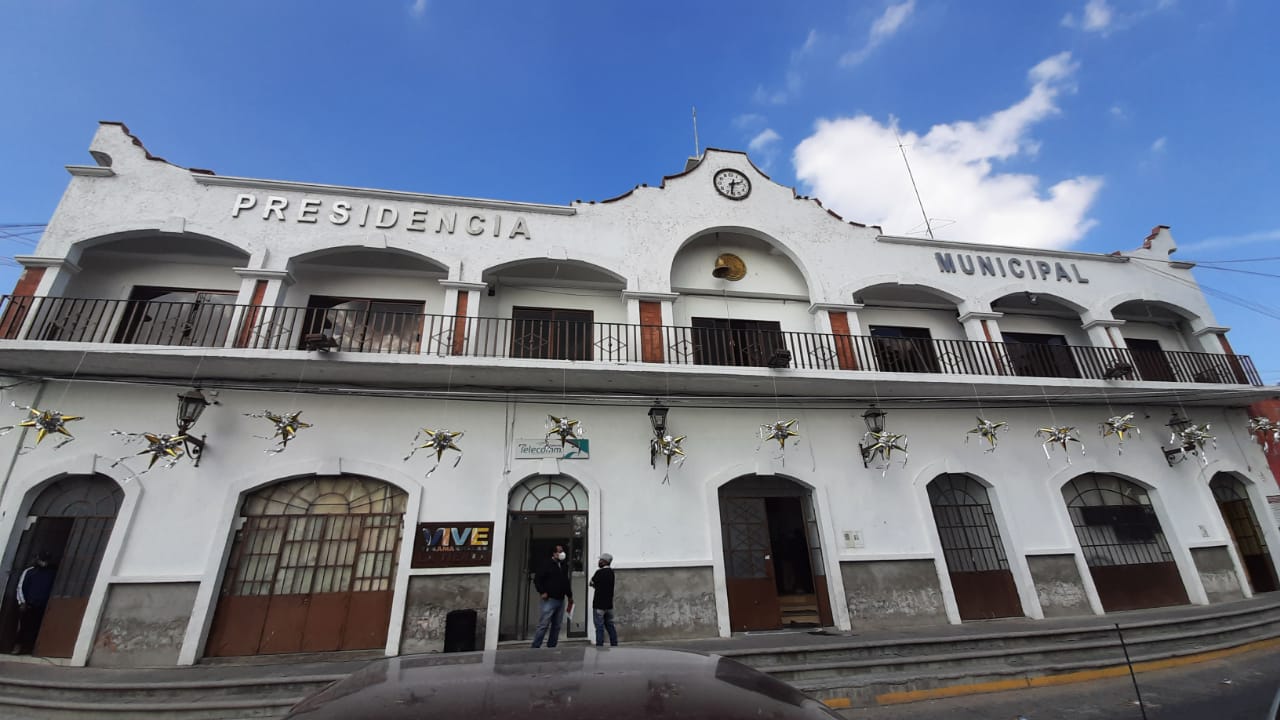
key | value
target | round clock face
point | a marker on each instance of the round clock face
(732, 184)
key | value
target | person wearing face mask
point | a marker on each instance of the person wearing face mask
(35, 585)
(552, 583)
(602, 601)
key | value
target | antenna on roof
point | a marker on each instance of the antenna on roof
(697, 152)
(928, 228)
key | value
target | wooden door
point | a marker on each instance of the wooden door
(748, 564)
(1150, 360)
(1251, 545)
(78, 562)
(971, 545)
(307, 583)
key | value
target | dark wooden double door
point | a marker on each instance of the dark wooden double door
(773, 564)
(307, 583)
(975, 555)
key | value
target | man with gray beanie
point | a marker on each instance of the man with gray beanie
(602, 602)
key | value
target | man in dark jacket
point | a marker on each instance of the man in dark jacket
(35, 585)
(602, 602)
(552, 583)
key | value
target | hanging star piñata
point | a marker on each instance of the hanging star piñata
(1121, 426)
(439, 441)
(1192, 441)
(160, 446)
(986, 430)
(45, 422)
(568, 431)
(1269, 429)
(286, 425)
(1059, 435)
(884, 443)
(667, 446)
(780, 431)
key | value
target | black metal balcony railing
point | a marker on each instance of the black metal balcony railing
(211, 324)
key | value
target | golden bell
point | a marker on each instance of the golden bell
(729, 267)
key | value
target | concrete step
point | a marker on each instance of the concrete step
(860, 676)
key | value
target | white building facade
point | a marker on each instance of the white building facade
(720, 296)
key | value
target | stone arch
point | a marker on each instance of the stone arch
(812, 286)
(391, 251)
(27, 488)
(579, 264)
(264, 475)
(975, 551)
(1232, 492)
(69, 519)
(991, 297)
(96, 236)
(732, 471)
(312, 567)
(902, 280)
(1122, 538)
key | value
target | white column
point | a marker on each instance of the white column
(981, 326)
(469, 326)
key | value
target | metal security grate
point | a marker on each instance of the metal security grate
(966, 524)
(304, 554)
(1115, 522)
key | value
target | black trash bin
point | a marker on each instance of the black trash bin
(460, 631)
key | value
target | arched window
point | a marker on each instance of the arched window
(548, 493)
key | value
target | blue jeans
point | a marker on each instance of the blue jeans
(552, 612)
(604, 621)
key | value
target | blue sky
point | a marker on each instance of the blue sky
(1064, 123)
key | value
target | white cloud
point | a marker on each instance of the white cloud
(418, 8)
(1099, 17)
(748, 120)
(1118, 112)
(884, 27)
(794, 80)
(1225, 242)
(853, 164)
(1158, 145)
(762, 141)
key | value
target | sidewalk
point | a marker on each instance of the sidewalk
(321, 665)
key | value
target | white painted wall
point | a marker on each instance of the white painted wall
(113, 277)
(942, 324)
(1171, 340)
(1070, 329)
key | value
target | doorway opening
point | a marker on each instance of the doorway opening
(1123, 543)
(774, 573)
(1251, 545)
(69, 523)
(542, 512)
(971, 545)
(312, 568)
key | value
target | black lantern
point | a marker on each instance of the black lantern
(1176, 454)
(874, 418)
(658, 417)
(191, 405)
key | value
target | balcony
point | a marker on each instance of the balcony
(211, 323)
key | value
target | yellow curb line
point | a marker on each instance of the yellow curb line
(895, 698)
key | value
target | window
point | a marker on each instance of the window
(749, 343)
(176, 316)
(551, 334)
(1037, 355)
(904, 349)
(1150, 360)
(365, 325)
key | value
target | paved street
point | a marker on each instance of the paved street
(1235, 688)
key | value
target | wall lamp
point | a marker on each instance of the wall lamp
(1177, 453)
(191, 405)
(657, 418)
(874, 418)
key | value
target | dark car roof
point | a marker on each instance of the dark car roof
(560, 684)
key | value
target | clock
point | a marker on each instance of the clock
(732, 184)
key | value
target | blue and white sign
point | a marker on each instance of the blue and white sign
(538, 448)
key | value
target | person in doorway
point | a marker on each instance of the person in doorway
(35, 585)
(552, 583)
(602, 602)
